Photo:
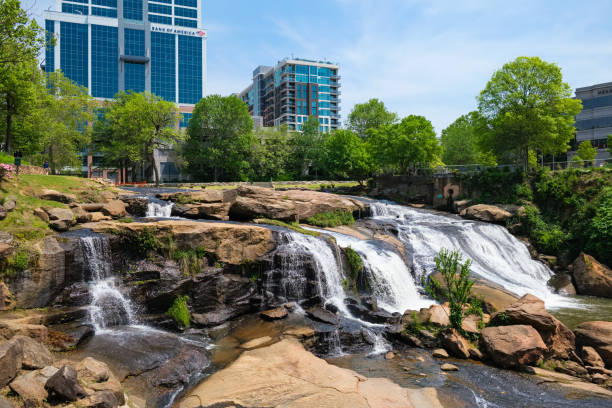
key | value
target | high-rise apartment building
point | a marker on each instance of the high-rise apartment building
(292, 91)
(594, 122)
(139, 45)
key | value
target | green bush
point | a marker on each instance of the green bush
(143, 242)
(190, 260)
(600, 231)
(331, 219)
(547, 237)
(180, 312)
(21, 259)
(355, 262)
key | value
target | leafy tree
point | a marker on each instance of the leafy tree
(410, 144)
(220, 135)
(347, 156)
(600, 234)
(370, 115)
(137, 124)
(586, 151)
(528, 107)
(308, 146)
(20, 37)
(461, 142)
(456, 286)
(271, 154)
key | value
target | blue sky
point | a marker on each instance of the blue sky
(422, 57)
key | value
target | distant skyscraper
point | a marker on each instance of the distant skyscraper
(594, 122)
(139, 45)
(293, 90)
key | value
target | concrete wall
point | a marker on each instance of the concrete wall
(430, 190)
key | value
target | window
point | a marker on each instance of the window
(185, 121)
(103, 12)
(49, 49)
(162, 65)
(132, 9)
(324, 97)
(324, 80)
(104, 61)
(314, 94)
(324, 105)
(313, 70)
(105, 3)
(75, 9)
(73, 52)
(160, 9)
(188, 3)
(324, 72)
(185, 12)
(190, 69)
(134, 42)
(183, 22)
(314, 111)
(301, 69)
(134, 77)
(160, 19)
(324, 89)
(314, 104)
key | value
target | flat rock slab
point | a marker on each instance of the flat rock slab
(300, 332)
(286, 375)
(449, 367)
(255, 343)
(275, 314)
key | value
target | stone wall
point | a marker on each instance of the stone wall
(430, 190)
(24, 169)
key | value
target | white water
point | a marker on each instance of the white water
(109, 307)
(328, 272)
(496, 255)
(159, 209)
(392, 283)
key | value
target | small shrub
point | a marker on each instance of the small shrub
(143, 242)
(547, 237)
(355, 262)
(180, 312)
(331, 219)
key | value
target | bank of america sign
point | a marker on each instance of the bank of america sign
(196, 32)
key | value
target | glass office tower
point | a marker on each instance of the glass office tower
(594, 122)
(113, 45)
(293, 90)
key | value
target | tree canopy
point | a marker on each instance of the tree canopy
(586, 151)
(528, 107)
(346, 156)
(369, 115)
(461, 142)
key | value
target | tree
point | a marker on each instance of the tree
(528, 107)
(370, 115)
(456, 286)
(138, 124)
(410, 144)
(220, 135)
(586, 151)
(461, 142)
(346, 156)
(20, 37)
(308, 146)
(271, 154)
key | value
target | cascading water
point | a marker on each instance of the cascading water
(496, 255)
(159, 209)
(109, 307)
(392, 283)
(292, 247)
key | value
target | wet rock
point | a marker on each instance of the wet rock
(7, 301)
(389, 355)
(60, 219)
(114, 209)
(449, 367)
(599, 378)
(411, 340)
(33, 354)
(471, 323)
(92, 370)
(513, 346)
(529, 310)
(178, 371)
(377, 317)
(322, 315)
(275, 314)
(597, 334)
(439, 315)
(592, 278)
(300, 332)
(591, 357)
(571, 368)
(76, 294)
(80, 215)
(31, 385)
(255, 343)
(487, 213)
(97, 216)
(368, 336)
(100, 399)
(136, 206)
(52, 195)
(212, 318)
(562, 282)
(455, 344)
(10, 361)
(64, 385)
(439, 353)
(476, 354)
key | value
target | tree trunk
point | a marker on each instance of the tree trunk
(51, 162)
(7, 139)
(155, 171)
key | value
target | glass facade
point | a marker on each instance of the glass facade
(190, 69)
(160, 9)
(73, 52)
(132, 9)
(188, 3)
(104, 61)
(185, 121)
(154, 18)
(599, 102)
(185, 12)
(49, 48)
(183, 22)
(75, 9)
(134, 42)
(162, 65)
(134, 77)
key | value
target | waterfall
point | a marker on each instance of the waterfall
(159, 209)
(496, 255)
(292, 248)
(109, 307)
(391, 282)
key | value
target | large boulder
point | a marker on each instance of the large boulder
(10, 361)
(52, 195)
(135, 205)
(206, 204)
(114, 209)
(598, 335)
(60, 219)
(31, 385)
(592, 358)
(286, 375)
(513, 346)
(33, 355)
(530, 310)
(291, 205)
(7, 301)
(592, 278)
(487, 213)
(455, 344)
(64, 385)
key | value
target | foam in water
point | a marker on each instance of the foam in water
(392, 283)
(496, 255)
(329, 276)
(109, 307)
(159, 209)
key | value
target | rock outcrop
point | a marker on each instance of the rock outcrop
(592, 278)
(52, 195)
(513, 346)
(529, 310)
(60, 219)
(285, 374)
(487, 213)
(597, 335)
